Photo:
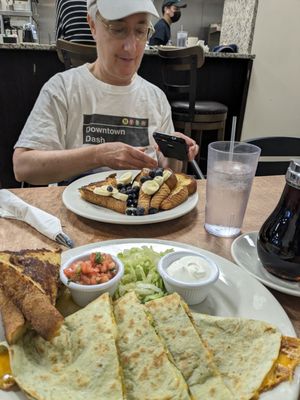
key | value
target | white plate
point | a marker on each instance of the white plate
(235, 294)
(72, 200)
(244, 252)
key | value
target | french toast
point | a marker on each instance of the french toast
(149, 192)
(93, 194)
(29, 284)
(186, 186)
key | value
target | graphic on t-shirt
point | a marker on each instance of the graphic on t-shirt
(99, 129)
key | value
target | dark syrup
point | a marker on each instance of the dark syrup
(278, 243)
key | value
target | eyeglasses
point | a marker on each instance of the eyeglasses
(120, 30)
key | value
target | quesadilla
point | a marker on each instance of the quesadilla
(148, 372)
(189, 353)
(244, 350)
(80, 363)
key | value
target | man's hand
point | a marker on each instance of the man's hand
(118, 155)
(193, 148)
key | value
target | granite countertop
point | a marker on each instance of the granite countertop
(27, 46)
(52, 47)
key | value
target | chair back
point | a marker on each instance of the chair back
(179, 72)
(272, 147)
(75, 54)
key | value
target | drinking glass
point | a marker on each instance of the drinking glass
(182, 38)
(229, 180)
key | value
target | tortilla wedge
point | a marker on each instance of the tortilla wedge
(148, 372)
(189, 353)
(80, 363)
(244, 350)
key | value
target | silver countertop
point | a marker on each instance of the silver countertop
(52, 47)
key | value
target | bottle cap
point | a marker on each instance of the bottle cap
(293, 173)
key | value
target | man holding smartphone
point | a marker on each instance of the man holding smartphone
(100, 115)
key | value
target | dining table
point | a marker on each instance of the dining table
(188, 229)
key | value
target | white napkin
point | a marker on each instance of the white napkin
(11, 206)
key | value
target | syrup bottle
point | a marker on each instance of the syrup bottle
(278, 242)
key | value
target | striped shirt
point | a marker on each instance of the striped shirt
(71, 22)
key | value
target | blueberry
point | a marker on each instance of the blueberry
(122, 190)
(159, 172)
(130, 196)
(152, 173)
(153, 210)
(110, 188)
(136, 189)
(130, 211)
(145, 178)
(130, 203)
(120, 186)
(140, 211)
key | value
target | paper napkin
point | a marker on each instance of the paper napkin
(11, 206)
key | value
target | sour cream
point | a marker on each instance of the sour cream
(189, 269)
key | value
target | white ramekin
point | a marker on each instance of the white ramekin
(84, 294)
(194, 292)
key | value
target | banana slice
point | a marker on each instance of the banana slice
(102, 190)
(120, 196)
(125, 178)
(159, 180)
(150, 187)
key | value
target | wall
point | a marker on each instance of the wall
(274, 94)
(238, 23)
(46, 21)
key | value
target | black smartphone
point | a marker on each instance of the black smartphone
(171, 146)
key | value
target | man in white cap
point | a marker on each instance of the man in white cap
(101, 114)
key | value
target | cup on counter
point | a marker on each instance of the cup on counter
(192, 41)
(182, 38)
(230, 172)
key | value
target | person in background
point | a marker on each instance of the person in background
(101, 114)
(171, 13)
(71, 22)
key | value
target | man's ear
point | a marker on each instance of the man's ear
(92, 25)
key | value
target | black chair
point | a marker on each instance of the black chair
(190, 116)
(276, 146)
(75, 54)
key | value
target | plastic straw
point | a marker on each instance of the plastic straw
(232, 137)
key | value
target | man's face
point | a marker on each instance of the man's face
(120, 45)
(171, 10)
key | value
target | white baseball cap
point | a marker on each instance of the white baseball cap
(118, 9)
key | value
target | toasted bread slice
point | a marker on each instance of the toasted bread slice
(26, 294)
(172, 180)
(103, 201)
(13, 320)
(177, 196)
(188, 181)
(144, 201)
(41, 265)
(160, 196)
(41, 268)
(87, 193)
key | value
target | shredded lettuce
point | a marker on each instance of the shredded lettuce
(141, 275)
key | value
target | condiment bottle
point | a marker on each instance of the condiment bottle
(278, 242)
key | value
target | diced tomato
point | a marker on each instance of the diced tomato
(99, 268)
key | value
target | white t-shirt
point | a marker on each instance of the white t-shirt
(74, 109)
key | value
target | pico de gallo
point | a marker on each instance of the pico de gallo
(99, 268)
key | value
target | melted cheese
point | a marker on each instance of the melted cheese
(6, 379)
(284, 366)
